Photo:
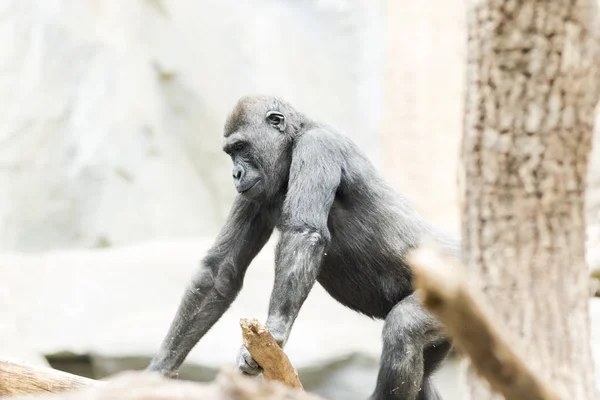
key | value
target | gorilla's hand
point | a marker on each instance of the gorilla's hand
(246, 363)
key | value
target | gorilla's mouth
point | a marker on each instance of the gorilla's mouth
(249, 188)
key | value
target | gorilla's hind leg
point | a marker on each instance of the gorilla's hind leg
(429, 392)
(433, 356)
(413, 346)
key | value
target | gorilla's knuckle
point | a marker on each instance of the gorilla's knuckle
(249, 361)
(249, 371)
(245, 359)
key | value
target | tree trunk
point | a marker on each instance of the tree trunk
(531, 94)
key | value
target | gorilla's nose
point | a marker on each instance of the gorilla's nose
(237, 173)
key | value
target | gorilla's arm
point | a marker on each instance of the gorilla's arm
(216, 283)
(315, 175)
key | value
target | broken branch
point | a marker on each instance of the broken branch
(268, 354)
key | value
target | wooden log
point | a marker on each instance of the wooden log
(445, 292)
(151, 386)
(267, 353)
(18, 378)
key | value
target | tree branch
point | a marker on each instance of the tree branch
(151, 386)
(444, 291)
(26, 382)
(267, 353)
(22, 379)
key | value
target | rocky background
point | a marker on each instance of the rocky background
(113, 182)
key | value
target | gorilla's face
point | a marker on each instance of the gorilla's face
(258, 140)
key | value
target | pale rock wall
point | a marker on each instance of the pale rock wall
(113, 111)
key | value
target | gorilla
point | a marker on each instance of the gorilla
(340, 224)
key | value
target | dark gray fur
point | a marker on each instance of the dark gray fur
(341, 225)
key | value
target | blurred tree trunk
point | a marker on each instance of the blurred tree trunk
(531, 94)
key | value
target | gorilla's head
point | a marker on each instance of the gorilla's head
(259, 136)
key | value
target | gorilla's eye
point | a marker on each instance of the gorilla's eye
(238, 146)
(275, 118)
(235, 147)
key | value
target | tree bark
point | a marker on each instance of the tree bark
(531, 93)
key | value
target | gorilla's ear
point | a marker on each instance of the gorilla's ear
(276, 120)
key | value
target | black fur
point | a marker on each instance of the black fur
(341, 225)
